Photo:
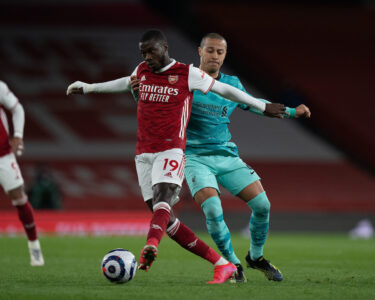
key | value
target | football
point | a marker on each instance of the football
(119, 266)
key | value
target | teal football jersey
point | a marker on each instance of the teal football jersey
(207, 131)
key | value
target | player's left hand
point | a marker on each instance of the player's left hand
(303, 111)
(17, 146)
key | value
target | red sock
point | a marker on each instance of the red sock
(26, 216)
(158, 224)
(187, 239)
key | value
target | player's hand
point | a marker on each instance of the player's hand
(17, 146)
(134, 83)
(303, 111)
(275, 110)
(77, 88)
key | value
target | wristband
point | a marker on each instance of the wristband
(291, 112)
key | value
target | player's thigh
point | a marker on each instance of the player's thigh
(143, 165)
(10, 173)
(199, 174)
(238, 175)
(251, 191)
(168, 167)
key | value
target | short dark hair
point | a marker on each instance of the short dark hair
(153, 34)
(212, 35)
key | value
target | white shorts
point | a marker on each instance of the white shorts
(10, 173)
(152, 168)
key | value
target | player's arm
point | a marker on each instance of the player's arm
(300, 111)
(11, 103)
(114, 86)
(198, 80)
(290, 113)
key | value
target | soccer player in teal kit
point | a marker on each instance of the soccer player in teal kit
(211, 158)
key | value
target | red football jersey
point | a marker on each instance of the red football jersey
(164, 106)
(8, 101)
(5, 147)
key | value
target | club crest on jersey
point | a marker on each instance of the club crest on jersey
(172, 79)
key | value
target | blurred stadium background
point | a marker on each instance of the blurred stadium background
(319, 173)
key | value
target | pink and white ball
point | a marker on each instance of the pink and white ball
(119, 266)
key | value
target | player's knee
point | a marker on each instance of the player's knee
(17, 196)
(212, 208)
(260, 204)
(164, 192)
(204, 194)
(19, 201)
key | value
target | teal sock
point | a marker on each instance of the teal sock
(259, 223)
(218, 229)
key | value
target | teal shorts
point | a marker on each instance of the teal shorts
(231, 172)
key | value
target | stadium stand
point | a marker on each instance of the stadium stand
(324, 49)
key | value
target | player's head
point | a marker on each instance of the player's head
(212, 50)
(154, 49)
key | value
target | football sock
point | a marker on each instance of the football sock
(26, 216)
(259, 223)
(158, 224)
(186, 238)
(218, 229)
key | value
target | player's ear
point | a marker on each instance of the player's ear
(200, 51)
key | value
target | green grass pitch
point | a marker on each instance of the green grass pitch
(314, 267)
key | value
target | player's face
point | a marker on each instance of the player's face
(154, 53)
(212, 55)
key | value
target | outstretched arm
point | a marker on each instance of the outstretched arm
(114, 86)
(299, 111)
(271, 109)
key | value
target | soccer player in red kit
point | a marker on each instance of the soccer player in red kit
(165, 99)
(10, 175)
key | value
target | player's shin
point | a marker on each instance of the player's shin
(187, 239)
(218, 229)
(26, 216)
(259, 223)
(158, 223)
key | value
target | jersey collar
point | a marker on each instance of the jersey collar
(166, 67)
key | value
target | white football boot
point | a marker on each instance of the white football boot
(36, 256)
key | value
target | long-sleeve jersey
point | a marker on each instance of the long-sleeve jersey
(207, 131)
(9, 102)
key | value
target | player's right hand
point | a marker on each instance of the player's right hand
(134, 83)
(275, 110)
(77, 87)
(17, 146)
